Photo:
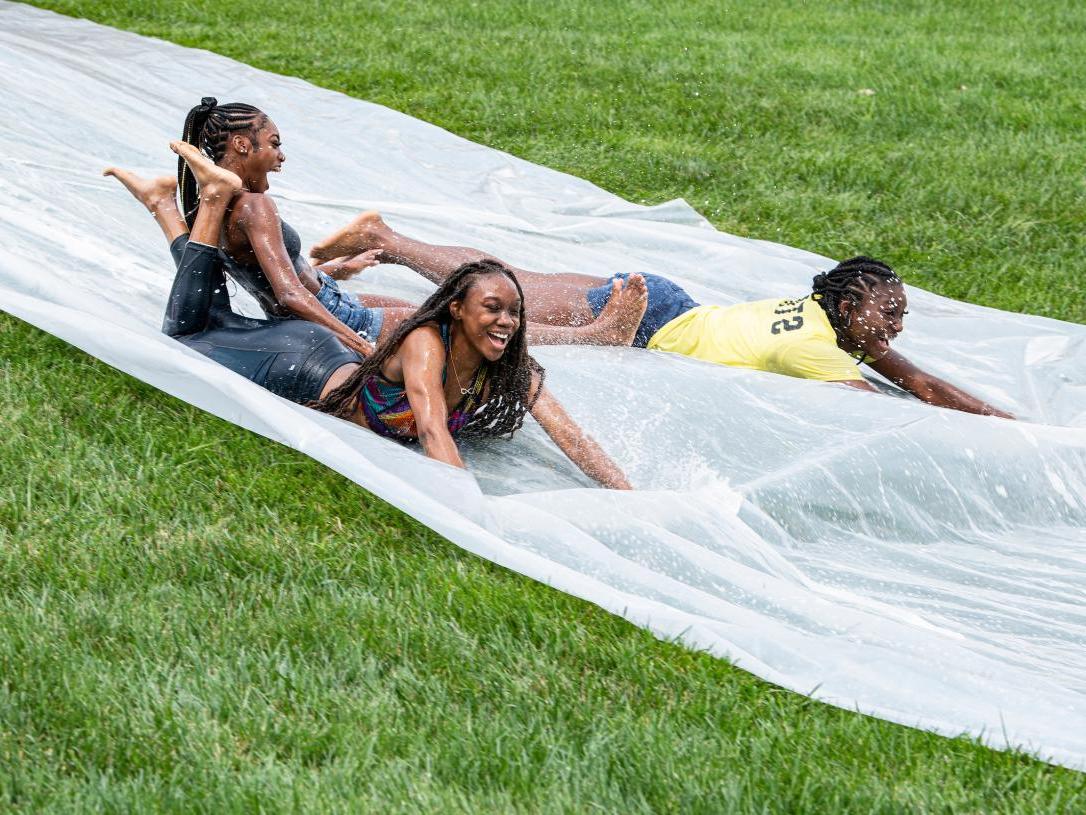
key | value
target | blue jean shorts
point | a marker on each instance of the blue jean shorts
(345, 307)
(667, 301)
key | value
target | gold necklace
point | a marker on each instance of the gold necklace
(463, 391)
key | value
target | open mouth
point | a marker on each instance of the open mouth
(498, 338)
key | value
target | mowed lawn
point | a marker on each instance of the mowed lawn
(196, 619)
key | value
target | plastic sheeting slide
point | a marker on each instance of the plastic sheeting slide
(920, 565)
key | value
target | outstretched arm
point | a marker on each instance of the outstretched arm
(421, 358)
(259, 218)
(931, 389)
(575, 443)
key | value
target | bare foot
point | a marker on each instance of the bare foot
(621, 315)
(216, 183)
(365, 232)
(345, 268)
(153, 193)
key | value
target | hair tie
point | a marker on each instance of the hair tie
(819, 282)
(207, 104)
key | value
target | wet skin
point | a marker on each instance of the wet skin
(252, 157)
(483, 324)
(870, 326)
(253, 235)
(874, 323)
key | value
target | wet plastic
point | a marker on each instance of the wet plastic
(917, 564)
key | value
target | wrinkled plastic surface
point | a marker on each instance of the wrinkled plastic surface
(920, 565)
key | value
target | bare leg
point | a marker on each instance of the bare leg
(393, 318)
(159, 195)
(616, 325)
(556, 305)
(384, 301)
(553, 299)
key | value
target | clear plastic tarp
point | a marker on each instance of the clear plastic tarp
(917, 564)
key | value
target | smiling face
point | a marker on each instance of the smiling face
(258, 152)
(872, 325)
(489, 315)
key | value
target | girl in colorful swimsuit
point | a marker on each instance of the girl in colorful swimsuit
(851, 316)
(263, 253)
(457, 367)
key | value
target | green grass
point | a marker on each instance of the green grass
(184, 628)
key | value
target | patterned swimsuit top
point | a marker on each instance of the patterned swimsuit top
(388, 413)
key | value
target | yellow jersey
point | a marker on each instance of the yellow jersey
(792, 337)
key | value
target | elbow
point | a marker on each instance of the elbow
(294, 300)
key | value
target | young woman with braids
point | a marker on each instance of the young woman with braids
(851, 316)
(263, 253)
(458, 367)
(853, 313)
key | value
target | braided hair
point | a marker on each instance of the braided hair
(209, 126)
(851, 280)
(508, 379)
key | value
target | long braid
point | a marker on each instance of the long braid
(850, 279)
(209, 126)
(508, 379)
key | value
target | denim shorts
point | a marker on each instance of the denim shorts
(346, 308)
(667, 301)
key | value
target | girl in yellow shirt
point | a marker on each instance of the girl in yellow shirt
(851, 316)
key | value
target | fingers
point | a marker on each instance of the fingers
(367, 258)
(362, 346)
(346, 266)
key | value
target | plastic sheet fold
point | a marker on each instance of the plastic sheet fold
(916, 564)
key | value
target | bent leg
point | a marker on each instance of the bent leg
(617, 323)
(159, 195)
(557, 299)
(381, 301)
(294, 359)
(199, 273)
(199, 283)
(556, 306)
